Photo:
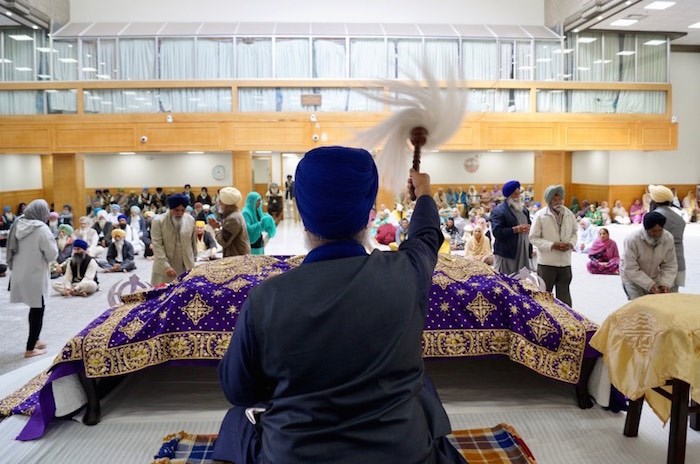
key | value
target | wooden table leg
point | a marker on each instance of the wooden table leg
(679, 422)
(634, 414)
(694, 417)
(583, 397)
(92, 411)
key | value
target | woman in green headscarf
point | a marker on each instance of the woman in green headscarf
(575, 206)
(257, 222)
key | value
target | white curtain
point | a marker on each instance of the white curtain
(506, 60)
(369, 59)
(523, 65)
(481, 100)
(409, 56)
(441, 57)
(551, 101)
(137, 59)
(177, 59)
(214, 59)
(547, 63)
(88, 63)
(107, 53)
(292, 58)
(480, 60)
(13, 102)
(253, 58)
(195, 100)
(122, 101)
(329, 58)
(21, 53)
(257, 99)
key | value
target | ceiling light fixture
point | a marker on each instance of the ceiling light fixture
(624, 22)
(659, 5)
(586, 40)
(626, 53)
(195, 152)
(20, 37)
(694, 26)
(655, 42)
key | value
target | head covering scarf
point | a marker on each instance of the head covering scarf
(118, 233)
(653, 219)
(660, 193)
(37, 209)
(510, 187)
(80, 243)
(553, 190)
(67, 229)
(178, 199)
(606, 249)
(335, 190)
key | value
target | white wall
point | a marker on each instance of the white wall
(20, 172)
(156, 169)
(590, 167)
(389, 11)
(448, 168)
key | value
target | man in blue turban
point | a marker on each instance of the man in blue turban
(510, 224)
(330, 352)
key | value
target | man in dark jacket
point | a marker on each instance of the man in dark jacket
(120, 254)
(330, 351)
(510, 223)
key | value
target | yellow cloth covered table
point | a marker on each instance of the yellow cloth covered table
(651, 340)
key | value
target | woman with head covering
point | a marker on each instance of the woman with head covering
(594, 215)
(31, 247)
(604, 257)
(605, 212)
(274, 202)
(690, 205)
(261, 226)
(636, 212)
(620, 214)
(584, 209)
(479, 245)
(587, 233)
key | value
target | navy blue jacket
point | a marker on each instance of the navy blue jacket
(502, 222)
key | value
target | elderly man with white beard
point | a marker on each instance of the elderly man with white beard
(174, 241)
(104, 231)
(120, 254)
(510, 224)
(648, 264)
(88, 234)
(80, 278)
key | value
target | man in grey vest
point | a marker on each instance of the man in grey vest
(330, 352)
(662, 202)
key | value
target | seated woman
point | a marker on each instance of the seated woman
(584, 209)
(575, 207)
(594, 215)
(456, 242)
(605, 212)
(620, 214)
(690, 206)
(479, 246)
(586, 236)
(636, 212)
(473, 196)
(604, 257)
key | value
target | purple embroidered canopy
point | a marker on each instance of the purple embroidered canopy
(473, 311)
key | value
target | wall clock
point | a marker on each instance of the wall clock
(218, 172)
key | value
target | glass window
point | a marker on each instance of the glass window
(214, 59)
(14, 102)
(652, 58)
(523, 63)
(65, 60)
(176, 58)
(619, 52)
(107, 59)
(88, 69)
(253, 58)
(43, 56)
(329, 58)
(442, 58)
(548, 61)
(137, 59)
(19, 51)
(292, 58)
(409, 56)
(369, 59)
(589, 58)
(479, 59)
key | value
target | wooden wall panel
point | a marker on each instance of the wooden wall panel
(272, 136)
(466, 136)
(661, 135)
(599, 136)
(94, 138)
(21, 139)
(13, 198)
(179, 137)
(536, 136)
(590, 192)
(47, 177)
(242, 172)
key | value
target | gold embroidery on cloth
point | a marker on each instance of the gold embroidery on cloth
(442, 280)
(541, 326)
(196, 309)
(238, 284)
(18, 397)
(460, 269)
(132, 328)
(481, 307)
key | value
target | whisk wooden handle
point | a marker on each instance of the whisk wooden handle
(419, 136)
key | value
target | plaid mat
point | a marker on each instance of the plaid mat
(497, 445)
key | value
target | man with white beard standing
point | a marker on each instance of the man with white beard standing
(510, 225)
(648, 264)
(174, 241)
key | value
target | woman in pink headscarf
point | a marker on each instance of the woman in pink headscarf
(604, 257)
(637, 212)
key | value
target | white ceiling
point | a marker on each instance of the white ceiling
(676, 18)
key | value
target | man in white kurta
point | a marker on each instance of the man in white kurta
(87, 233)
(174, 241)
(648, 263)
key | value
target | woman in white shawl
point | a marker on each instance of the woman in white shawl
(587, 234)
(31, 247)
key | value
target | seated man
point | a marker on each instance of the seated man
(132, 235)
(355, 390)
(88, 234)
(80, 278)
(206, 245)
(64, 241)
(120, 254)
(104, 231)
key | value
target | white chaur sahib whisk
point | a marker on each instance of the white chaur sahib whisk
(439, 111)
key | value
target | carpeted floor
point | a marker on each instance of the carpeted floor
(476, 393)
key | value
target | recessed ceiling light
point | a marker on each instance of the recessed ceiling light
(602, 61)
(89, 69)
(5, 60)
(581, 68)
(600, 18)
(67, 60)
(563, 50)
(694, 26)
(659, 5)
(23, 69)
(20, 37)
(8, 13)
(195, 152)
(35, 27)
(127, 153)
(263, 152)
(624, 22)
(626, 53)
(586, 40)
(655, 42)
(575, 30)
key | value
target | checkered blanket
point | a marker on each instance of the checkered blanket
(497, 445)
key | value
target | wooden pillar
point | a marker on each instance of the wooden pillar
(385, 197)
(69, 182)
(47, 177)
(552, 167)
(242, 174)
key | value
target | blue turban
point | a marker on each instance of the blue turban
(122, 216)
(79, 243)
(510, 187)
(335, 190)
(178, 199)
